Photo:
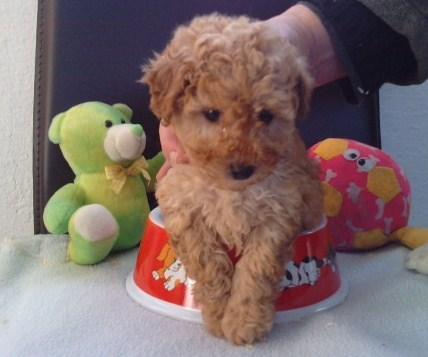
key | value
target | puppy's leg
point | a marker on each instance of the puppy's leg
(250, 311)
(207, 262)
(313, 213)
(312, 199)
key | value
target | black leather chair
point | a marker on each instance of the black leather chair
(93, 50)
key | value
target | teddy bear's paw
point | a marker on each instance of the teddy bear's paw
(418, 259)
(93, 232)
(95, 223)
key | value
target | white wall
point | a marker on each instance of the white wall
(404, 128)
(17, 47)
(404, 123)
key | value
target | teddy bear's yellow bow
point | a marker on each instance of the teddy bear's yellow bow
(118, 174)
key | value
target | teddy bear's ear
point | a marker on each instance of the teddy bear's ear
(124, 109)
(55, 128)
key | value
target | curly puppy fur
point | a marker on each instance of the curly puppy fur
(233, 91)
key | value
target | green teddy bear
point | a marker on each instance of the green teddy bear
(106, 207)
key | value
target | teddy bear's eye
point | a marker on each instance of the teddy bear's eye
(108, 123)
(266, 116)
(212, 115)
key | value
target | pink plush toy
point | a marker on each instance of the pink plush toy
(367, 196)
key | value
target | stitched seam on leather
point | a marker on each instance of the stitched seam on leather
(36, 145)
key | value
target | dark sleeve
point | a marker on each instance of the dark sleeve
(371, 51)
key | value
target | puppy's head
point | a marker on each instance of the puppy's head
(233, 91)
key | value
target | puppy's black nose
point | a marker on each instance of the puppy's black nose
(241, 172)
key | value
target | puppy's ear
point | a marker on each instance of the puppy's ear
(167, 77)
(289, 64)
(304, 88)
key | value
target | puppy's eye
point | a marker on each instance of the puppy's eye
(266, 116)
(108, 123)
(212, 115)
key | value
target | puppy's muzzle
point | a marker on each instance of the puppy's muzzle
(241, 172)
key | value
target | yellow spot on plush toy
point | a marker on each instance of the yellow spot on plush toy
(411, 237)
(332, 200)
(370, 239)
(331, 148)
(383, 183)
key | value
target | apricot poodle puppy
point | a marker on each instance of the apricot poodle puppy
(233, 91)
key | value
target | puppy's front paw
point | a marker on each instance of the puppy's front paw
(214, 327)
(212, 315)
(245, 326)
(243, 332)
(212, 309)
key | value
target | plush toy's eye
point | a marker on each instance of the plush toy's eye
(366, 164)
(266, 116)
(212, 115)
(351, 154)
(122, 121)
(108, 123)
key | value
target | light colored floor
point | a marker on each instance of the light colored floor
(54, 308)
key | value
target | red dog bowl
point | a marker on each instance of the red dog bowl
(311, 281)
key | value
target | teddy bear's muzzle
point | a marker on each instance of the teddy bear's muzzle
(125, 142)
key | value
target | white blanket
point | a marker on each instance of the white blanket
(50, 307)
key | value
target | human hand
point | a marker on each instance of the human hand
(303, 28)
(172, 149)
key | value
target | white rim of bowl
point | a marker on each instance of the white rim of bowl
(193, 315)
(156, 217)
